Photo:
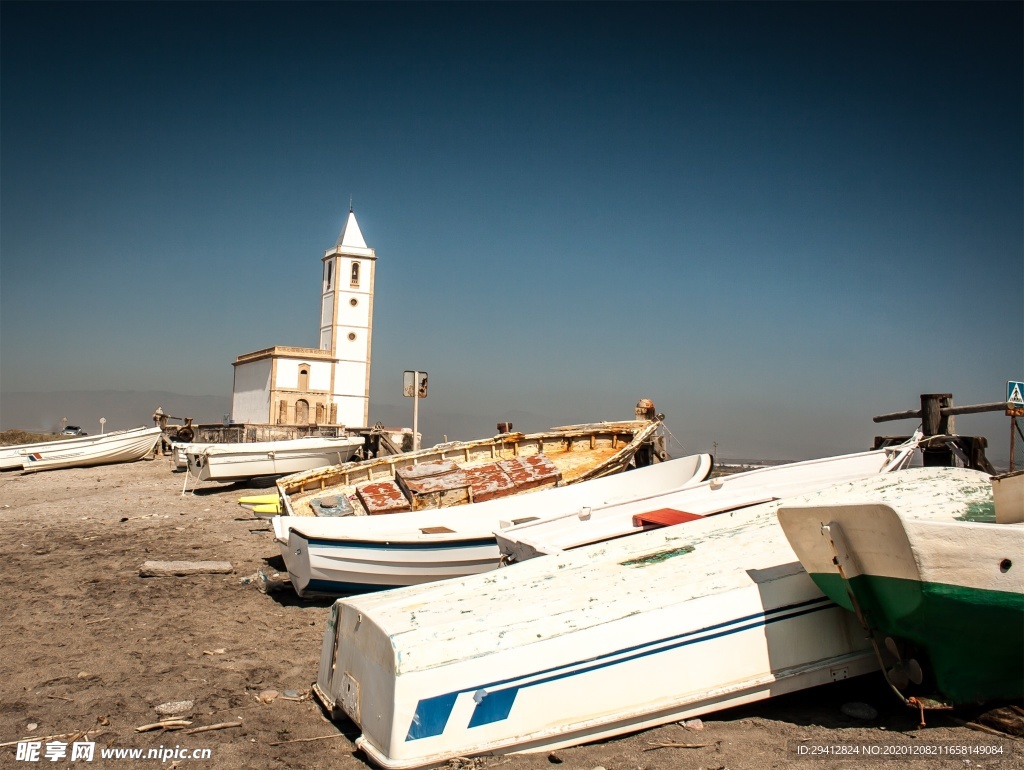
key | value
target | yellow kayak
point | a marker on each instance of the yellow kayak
(265, 504)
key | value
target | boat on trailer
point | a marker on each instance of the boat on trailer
(567, 530)
(342, 555)
(249, 460)
(932, 567)
(122, 446)
(584, 645)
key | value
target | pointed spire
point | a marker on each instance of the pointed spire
(350, 236)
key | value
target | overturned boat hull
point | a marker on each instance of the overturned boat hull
(605, 640)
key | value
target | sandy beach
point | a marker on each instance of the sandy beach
(91, 649)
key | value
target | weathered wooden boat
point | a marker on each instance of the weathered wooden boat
(463, 472)
(335, 556)
(933, 572)
(603, 640)
(236, 462)
(123, 446)
(718, 495)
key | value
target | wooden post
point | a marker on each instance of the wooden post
(934, 423)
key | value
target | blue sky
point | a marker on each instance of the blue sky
(775, 219)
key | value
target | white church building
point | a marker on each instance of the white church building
(328, 385)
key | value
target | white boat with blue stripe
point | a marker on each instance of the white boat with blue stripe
(606, 639)
(350, 554)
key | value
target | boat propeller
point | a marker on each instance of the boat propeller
(903, 672)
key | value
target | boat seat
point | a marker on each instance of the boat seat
(663, 517)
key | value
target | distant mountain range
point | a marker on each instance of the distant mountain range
(44, 412)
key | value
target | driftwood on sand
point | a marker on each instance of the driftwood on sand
(184, 568)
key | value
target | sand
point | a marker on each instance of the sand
(89, 645)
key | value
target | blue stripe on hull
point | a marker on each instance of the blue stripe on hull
(425, 546)
(495, 705)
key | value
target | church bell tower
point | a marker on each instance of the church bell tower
(346, 321)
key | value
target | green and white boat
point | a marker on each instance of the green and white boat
(938, 579)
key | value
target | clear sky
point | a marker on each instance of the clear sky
(776, 220)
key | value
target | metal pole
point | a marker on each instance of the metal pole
(416, 410)
(1013, 440)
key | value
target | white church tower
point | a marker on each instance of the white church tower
(346, 321)
(328, 385)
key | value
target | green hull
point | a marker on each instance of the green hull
(974, 639)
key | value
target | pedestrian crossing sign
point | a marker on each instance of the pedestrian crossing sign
(1014, 396)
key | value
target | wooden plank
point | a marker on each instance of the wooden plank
(184, 568)
(383, 497)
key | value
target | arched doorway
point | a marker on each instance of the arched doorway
(302, 412)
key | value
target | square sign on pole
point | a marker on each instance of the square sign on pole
(1015, 398)
(414, 386)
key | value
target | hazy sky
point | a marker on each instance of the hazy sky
(774, 219)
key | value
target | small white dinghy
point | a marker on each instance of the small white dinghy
(603, 640)
(341, 555)
(123, 446)
(555, 534)
(236, 462)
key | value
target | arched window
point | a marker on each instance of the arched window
(303, 377)
(328, 275)
(355, 273)
(302, 412)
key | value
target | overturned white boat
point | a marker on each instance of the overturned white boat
(123, 446)
(555, 534)
(600, 641)
(236, 462)
(341, 555)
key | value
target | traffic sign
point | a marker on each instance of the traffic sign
(1015, 398)
(1014, 393)
(415, 385)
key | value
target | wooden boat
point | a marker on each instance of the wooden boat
(462, 472)
(718, 495)
(603, 640)
(123, 446)
(334, 556)
(235, 462)
(932, 572)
